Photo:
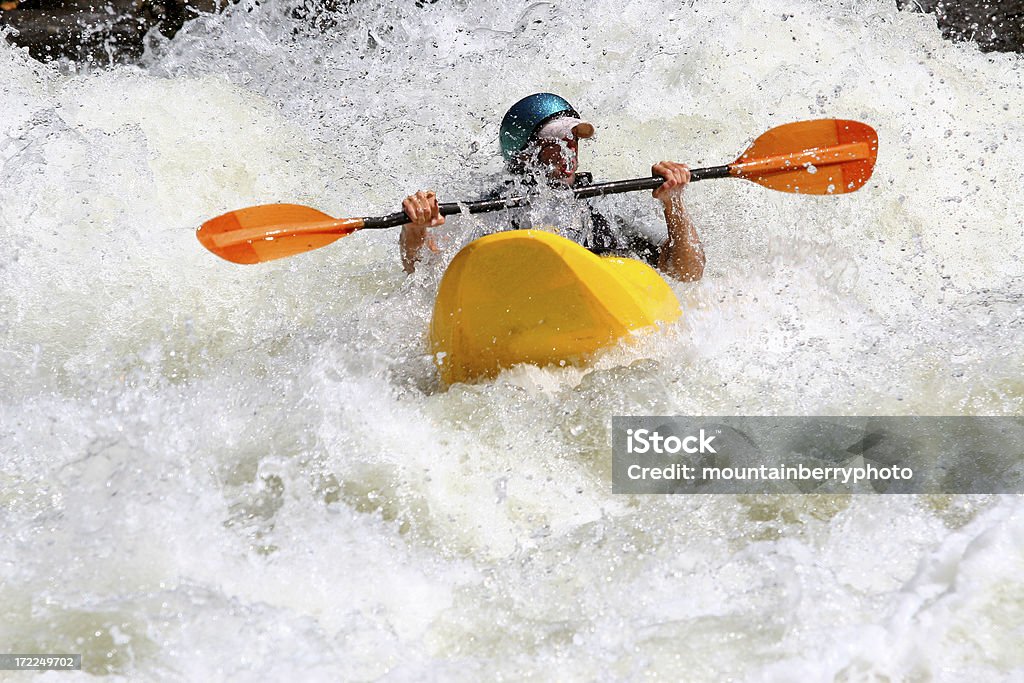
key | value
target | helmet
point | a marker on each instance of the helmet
(526, 116)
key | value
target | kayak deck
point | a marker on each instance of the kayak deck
(530, 296)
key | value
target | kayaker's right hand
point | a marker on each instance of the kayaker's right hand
(424, 213)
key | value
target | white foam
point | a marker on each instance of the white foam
(212, 470)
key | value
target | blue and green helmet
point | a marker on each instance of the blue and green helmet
(523, 119)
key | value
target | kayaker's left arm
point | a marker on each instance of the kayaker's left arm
(681, 255)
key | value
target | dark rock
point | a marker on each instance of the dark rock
(322, 15)
(95, 31)
(102, 31)
(996, 25)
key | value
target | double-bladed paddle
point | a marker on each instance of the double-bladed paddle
(825, 156)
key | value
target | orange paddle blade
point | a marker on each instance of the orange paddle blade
(272, 231)
(827, 156)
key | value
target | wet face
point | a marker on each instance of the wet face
(558, 158)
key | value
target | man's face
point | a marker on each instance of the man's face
(559, 158)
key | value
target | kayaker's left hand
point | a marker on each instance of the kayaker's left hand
(681, 255)
(676, 177)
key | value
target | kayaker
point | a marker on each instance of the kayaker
(539, 138)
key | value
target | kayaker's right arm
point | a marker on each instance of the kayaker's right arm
(423, 210)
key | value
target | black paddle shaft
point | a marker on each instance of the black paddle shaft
(584, 192)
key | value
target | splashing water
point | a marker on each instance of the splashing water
(223, 472)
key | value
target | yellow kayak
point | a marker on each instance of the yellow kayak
(530, 296)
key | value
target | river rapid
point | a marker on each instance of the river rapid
(220, 472)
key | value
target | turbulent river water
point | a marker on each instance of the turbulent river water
(220, 472)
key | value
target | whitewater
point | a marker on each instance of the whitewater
(220, 472)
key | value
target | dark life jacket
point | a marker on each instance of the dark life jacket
(608, 235)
